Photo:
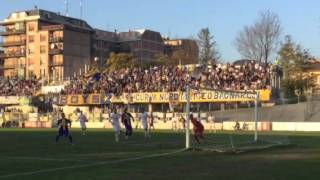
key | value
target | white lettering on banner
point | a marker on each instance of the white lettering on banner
(196, 96)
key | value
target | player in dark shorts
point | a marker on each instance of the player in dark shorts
(198, 129)
(151, 122)
(64, 125)
(126, 121)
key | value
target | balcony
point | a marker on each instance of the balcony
(13, 54)
(55, 39)
(12, 32)
(9, 66)
(56, 63)
(55, 51)
(13, 43)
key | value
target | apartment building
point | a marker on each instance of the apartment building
(144, 43)
(47, 45)
(43, 44)
(187, 48)
(1, 62)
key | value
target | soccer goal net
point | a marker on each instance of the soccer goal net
(238, 125)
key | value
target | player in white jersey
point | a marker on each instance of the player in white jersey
(82, 119)
(144, 121)
(115, 120)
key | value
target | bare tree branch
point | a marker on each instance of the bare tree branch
(260, 40)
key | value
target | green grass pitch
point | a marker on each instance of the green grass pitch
(32, 154)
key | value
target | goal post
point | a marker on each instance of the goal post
(188, 118)
(256, 101)
(255, 116)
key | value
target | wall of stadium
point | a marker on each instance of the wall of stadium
(176, 125)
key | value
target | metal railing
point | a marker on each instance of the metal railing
(12, 54)
(56, 39)
(12, 32)
(13, 43)
(55, 51)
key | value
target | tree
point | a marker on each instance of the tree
(207, 44)
(121, 60)
(294, 60)
(260, 40)
(159, 60)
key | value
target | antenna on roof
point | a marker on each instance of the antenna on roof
(169, 33)
(66, 3)
(80, 9)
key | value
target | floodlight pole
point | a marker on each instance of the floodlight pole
(256, 117)
(188, 117)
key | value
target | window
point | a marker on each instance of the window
(30, 51)
(42, 49)
(31, 26)
(43, 37)
(31, 38)
(19, 26)
(42, 60)
(42, 73)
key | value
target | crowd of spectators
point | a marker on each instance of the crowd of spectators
(18, 87)
(249, 76)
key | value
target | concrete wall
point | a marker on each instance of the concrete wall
(177, 126)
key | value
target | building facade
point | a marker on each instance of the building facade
(1, 63)
(143, 44)
(185, 49)
(46, 45)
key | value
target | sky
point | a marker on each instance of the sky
(184, 18)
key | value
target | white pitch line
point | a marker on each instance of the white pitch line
(41, 159)
(111, 153)
(91, 165)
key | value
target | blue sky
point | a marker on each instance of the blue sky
(184, 18)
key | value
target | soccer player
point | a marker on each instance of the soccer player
(198, 129)
(115, 120)
(126, 120)
(183, 122)
(64, 124)
(144, 122)
(82, 119)
(151, 123)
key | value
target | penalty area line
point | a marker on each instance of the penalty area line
(92, 164)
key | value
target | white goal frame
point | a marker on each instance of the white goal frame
(256, 101)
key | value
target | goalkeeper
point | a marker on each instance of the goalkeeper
(198, 129)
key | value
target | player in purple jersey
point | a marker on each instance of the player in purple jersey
(126, 121)
(64, 125)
